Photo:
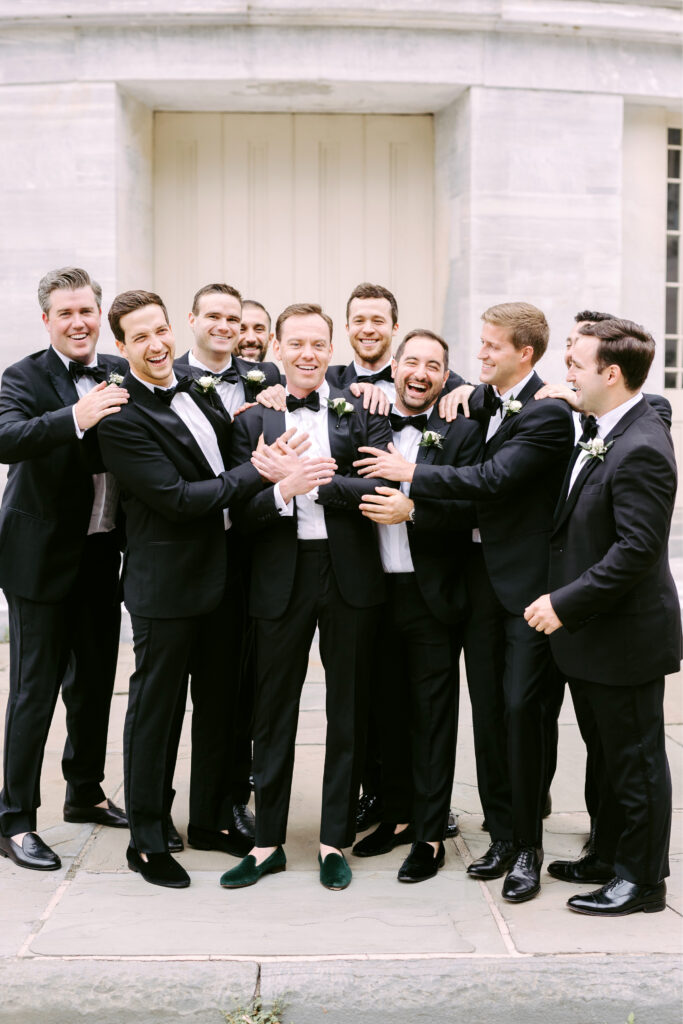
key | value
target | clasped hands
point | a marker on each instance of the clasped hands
(283, 463)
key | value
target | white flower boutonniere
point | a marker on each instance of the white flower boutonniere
(510, 407)
(596, 448)
(257, 377)
(206, 384)
(115, 378)
(341, 407)
(431, 439)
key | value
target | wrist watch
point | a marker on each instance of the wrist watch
(411, 517)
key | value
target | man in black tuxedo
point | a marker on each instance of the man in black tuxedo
(515, 490)
(256, 332)
(59, 564)
(182, 586)
(613, 614)
(314, 562)
(423, 547)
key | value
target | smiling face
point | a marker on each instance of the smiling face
(371, 331)
(216, 328)
(591, 386)
(255, 333)
(305, 350)
(571, 341)
(502, 364)
(149, 345)
(73, 323)
(419, 375)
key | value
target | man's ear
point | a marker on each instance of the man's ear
(394, 367)
(121, 346)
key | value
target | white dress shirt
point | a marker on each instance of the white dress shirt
(394, 549)
(199, 426)
(606, 424)
(231, 395)
(105, 487)
(387, 386)
(310, 517)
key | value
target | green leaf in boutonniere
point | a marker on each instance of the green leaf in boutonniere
(511, 407)
(341, 407)
(207, 383)
(431, 439)
(115, 378)
(254, 381)
(596, 448)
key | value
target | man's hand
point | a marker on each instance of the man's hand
(541, 616)
(448, 406)
(290, 441)
(562, 391)
(101, 401)
(387, 506)
(276, 466)
(390, 465)
(247, 405)
(274, 397)
(374, 398)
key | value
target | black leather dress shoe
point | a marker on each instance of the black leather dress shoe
(111, 815)
(174, 839)
(619, 897)
(232, 842)
(523, 880)
(495, 862)
(32, 853)
(383, 840)
(369, 813)
(452, 828)
(244, 820)
(585, 869)
(158, 869)
(422, 862)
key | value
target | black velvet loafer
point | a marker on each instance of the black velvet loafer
(158, 869)
(31, 853)
(111, 815)
(422, 863)
(232, 842)
(335, 873)
(383, 840)
(248, 872)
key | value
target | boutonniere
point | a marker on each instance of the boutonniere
(511, 407)
(430, 439)
(255, 380)
(596, 448)
(206, 384)
(115, 378)
(341, 407)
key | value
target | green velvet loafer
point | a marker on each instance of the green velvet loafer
(335, 873)
(248, 872)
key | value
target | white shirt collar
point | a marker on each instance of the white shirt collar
(608, 421)
(152, 387)
(516, 390)
(193, 361)
(323, 390)
(363, 371)
(66, 360)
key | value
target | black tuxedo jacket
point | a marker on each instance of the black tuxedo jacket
(353, 546)
(343, 376)
(440, 537)
(610, 581)
(47, 502)
(175, 560)
(243, 366)
(515, 490)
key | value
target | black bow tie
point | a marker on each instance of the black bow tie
(311, 401)
(399, 422)
(492, 401)
(166, 395)
(78, 370)
(590, 428)
(372, 378)
(229, 376)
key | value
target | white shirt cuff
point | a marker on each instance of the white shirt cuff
(283, 508)
(79, 433)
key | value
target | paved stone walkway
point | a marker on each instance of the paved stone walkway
(93, 942)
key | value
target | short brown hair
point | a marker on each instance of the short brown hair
(421, 332)
(257, 305)
(128, 302)
(526, 323)
(68, 278)
(624, 344)
(373, 291)
(301, 309)
(209, 289)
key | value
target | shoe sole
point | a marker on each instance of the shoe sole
(31, 867)
(336, 888)
(245, 885)
(153, 881)
(650, 908)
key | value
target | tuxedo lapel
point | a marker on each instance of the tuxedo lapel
(426, 454)
(339, 429)
(163, 415)
(60, 379)
(525, 395)
(272, 424)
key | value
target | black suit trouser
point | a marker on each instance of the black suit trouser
(208, 649)
(282, 648)
(509, 671)
(72, 644)
(633, 817)
(419, 702)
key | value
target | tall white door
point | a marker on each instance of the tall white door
(295, 208)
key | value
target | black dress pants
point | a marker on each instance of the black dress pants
(282, 648)
(72, 644)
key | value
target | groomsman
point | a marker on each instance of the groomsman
(255, 332)
(515, 489)
(423, 548)
(613, 614)
(314, 562)
(182, 585)
(59, 564)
